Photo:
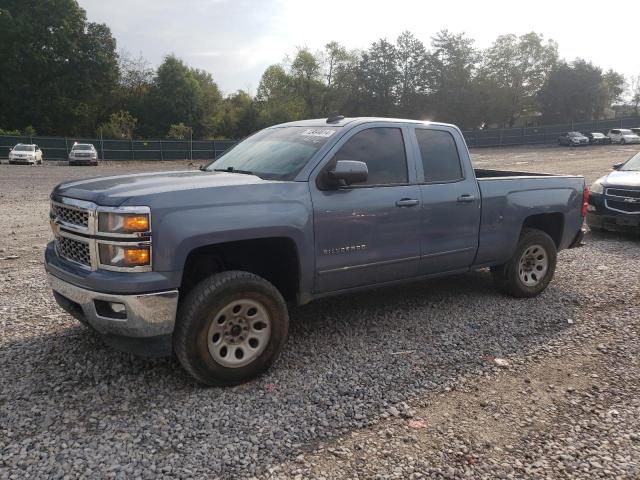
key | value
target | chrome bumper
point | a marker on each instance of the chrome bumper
(146, 315)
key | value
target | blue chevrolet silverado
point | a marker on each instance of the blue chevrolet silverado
(203, 263)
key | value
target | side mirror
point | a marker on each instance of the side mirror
(616, 166)
(349, 171)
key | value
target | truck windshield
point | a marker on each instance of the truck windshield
(275, 153)
(633, 164)
(82, 147)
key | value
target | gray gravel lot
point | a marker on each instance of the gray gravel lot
(394, 383)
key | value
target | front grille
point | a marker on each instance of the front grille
(619, 192)
(622, 206)
(74, 250)
(72, 216)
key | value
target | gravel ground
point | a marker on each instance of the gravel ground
(436, 379)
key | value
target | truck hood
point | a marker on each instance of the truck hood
(622, 178)
(116, 190)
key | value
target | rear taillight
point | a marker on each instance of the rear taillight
(585, 201)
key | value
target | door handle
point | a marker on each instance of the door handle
(466, 198)
(407, 202)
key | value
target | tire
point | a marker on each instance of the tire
(209, 331)
(523, 282)
(622, 141)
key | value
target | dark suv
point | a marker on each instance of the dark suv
(614, 200)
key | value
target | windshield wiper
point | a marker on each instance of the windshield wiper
(233, 170)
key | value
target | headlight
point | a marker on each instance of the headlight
(597, 187)
(124, 256)
(123, 222)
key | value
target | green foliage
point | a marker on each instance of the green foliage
(179, 131)
(13, 133)
(58, 70)
(578, 91)
(30, 131)
(516, 69)
(120, 125)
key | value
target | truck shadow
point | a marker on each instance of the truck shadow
(346, 360)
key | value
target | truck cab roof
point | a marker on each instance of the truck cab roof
(354, 121)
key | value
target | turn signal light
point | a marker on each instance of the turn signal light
(136, 256)
(135, 223)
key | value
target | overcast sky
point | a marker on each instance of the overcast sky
(236, 40)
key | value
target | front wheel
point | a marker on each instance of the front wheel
(623, 141)
(531, 268)
(230, 328)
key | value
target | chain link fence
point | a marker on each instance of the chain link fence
(547, 134)
(58, 148)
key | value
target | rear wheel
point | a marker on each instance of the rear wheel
(622, 141)
(531, 268)
(230, 328)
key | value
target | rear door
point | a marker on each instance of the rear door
(368, 233)
(450, 198)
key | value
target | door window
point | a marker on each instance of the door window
(440, 159)
(382, 149)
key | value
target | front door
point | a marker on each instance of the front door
(368, 233)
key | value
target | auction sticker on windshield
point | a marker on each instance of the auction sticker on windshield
(318, 132)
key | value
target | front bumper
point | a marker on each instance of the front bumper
(83, 161)
(22, 161)
(144, 328)
(615, 223)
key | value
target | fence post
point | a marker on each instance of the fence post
(161, 152)
(214, 149)
(191, 144)
(101, 144)
(66, 147)
(133, 153)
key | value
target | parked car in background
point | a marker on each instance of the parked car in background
(573, 139)
(83, 154)
(597, 138)
(26, 154)
(203, 263)
(614, 200)
(635, 130)
(623, 136)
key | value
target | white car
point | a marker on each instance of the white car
(83, 154)
(623, 136)
(27, 154)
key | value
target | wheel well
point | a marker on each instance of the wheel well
(274, 259)
(550, 223)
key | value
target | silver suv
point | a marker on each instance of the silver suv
(83, 154)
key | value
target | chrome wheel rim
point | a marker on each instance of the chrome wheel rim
(533, 265)
(239, 333)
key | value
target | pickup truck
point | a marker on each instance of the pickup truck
(203, 263)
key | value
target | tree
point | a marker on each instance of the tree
(306, 78)
(518, 67)
(276, 97)
(378, 75)
(238, 117)
(450, 74)
(179, 131)
(181, 94)
(635, 93)
(573, 92)
(412, 62)
(120, 125)
(342, 92)
(58, 70)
